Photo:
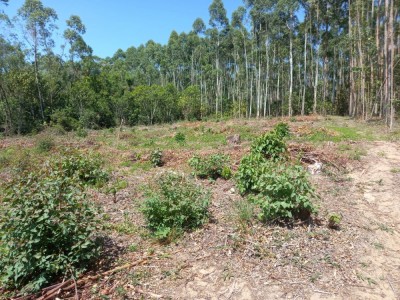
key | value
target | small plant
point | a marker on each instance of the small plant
(156, 158)
(245, 211)
(284, 193)
(45, 144)
(282, 130)
(46, 229)
(213, 166)
(86, 167)
(133, 248)
(271, 146)
(180, 137)
(334, 220)
(395, 170)
(81, 132)
(175, 204)
(280, 188)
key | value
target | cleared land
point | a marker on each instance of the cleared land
(234, 256)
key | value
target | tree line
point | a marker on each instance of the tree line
(270, 58)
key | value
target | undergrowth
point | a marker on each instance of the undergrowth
(212, 166)
(273, 182)
(47, 225)
(175, 204)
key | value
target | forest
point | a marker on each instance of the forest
(270, 58)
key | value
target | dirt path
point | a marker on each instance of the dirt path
(377, 195)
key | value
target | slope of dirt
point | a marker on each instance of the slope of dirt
(377, 194)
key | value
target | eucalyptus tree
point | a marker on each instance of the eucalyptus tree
(219, 30)
(39, 23)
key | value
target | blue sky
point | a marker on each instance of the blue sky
(111, 25)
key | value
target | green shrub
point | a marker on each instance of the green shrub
(156, 158)
(282, 130)
(87, 167)
(250, 169)
(175, 204)
(45, 144)
(271, 146)
(334, 220)
(280, 188)
(180, 138)
(285, 193)
(46, 227)
(81, 132)
(213, 166)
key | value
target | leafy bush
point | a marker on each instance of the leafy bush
(180, 138)
(250, 169)
(86, 167)
(81, 132)
(65, 119)
(213, 166)
(156, 158)
(46, 228)
(175, 204)
(285, 193)
(282, 130)
(280, 188)
(270, 145)
(45, 144)
(334, 220)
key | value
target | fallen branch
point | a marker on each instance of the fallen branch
(52, 291)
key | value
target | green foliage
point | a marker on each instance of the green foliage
(271, 144)
(180, 137)
(46, 227)
(334, 220)
(251, 167)
(213, 166)
(282, 130)
(65, 119)
(175, 204)
(156, 158)
(281, 189)
(87, 167)
(45, 144)
(285, 193)
(190, 103)
(81, 132)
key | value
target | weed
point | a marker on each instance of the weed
(244, 211)
(180, 138)
(315, 277)
(282, 130)
(395, 170)
(156, 158)
(213, 166)
(378, 246)
(133, 248)
(86, 167)
(282, 190)
(81, 132)
(334, 220)
(45, 144)
(385, 228)
(175, 204)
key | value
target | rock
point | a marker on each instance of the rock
(315, 168)
(233, 139)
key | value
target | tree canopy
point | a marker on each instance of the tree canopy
(271, 58)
